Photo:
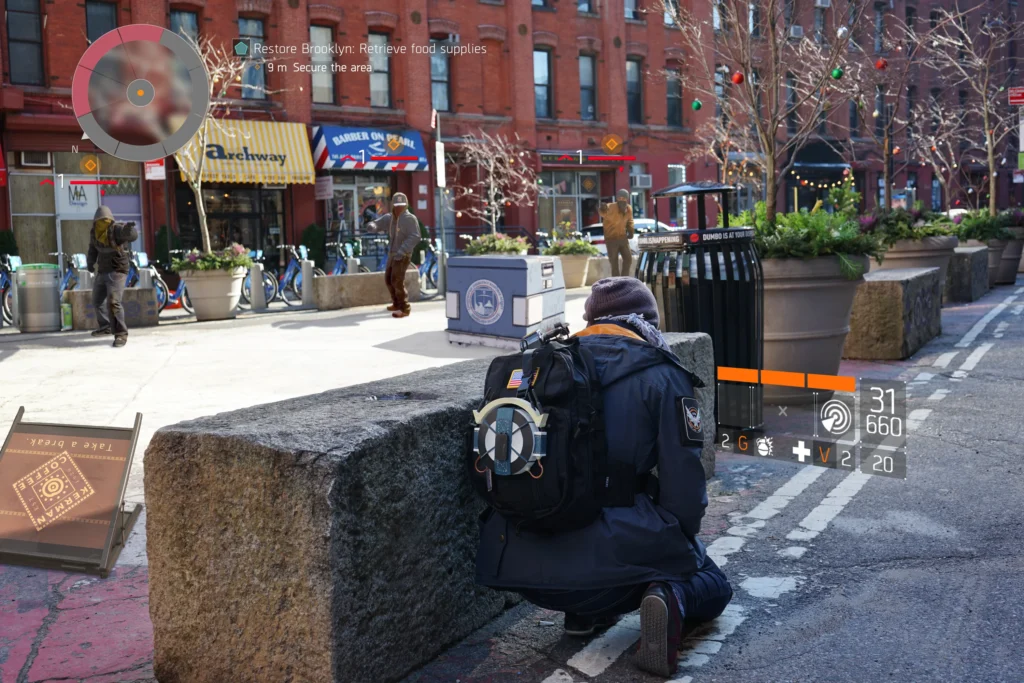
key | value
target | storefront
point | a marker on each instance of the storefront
(366, 165)
(249, 169)
(571, 190)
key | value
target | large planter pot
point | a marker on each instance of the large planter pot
(574, 270)
(995, 256)
(1010, 261)
(807, 307)
(931, 252)
(214, 293)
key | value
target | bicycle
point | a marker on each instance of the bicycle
(290, 281)
(179, 295)
(270, 287)
(381, 249)
(344, 252)
(71, 266)
(140, 261)
(8, 264)
(429, 268)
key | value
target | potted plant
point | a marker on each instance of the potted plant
(812, 263)
(1013, 221)
(497, 243)
(214, 280)
(575, 257)
(913, 239)
(980, 229)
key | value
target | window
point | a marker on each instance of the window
(185, 24)
(719, 93)
(440, 77)
(934, 105)
(879, 27)
(1011, 59)
(754, 19)
(321, 38)
(634, 91)
(854, 119)
(380, 71)
(674, 99)
(254, 80)
(880, 108)
(911, 102)
(542, 83)
(588, 94)
(671, 10)
(716, 15)
(819, 25)
(911, 20)
(585, 6)
(790, 104)
(936, 194)
(787, 12)
(539, 3)
(822, 117)
(632, 11)
(25, 42)
(933, 19)
(100, 18)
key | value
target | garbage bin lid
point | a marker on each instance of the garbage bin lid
(38, 266)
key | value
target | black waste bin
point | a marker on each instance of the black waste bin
(711, 281)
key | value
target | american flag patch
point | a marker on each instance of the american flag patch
(516, 380)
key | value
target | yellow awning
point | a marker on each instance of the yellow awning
(255, 152)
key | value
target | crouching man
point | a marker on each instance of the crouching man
(642, 556)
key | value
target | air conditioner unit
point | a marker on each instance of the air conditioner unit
(824, 4)
(41, 159)
(641, 181)
(796, 31)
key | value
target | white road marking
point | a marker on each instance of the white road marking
(770, 587)
(777, 502)
(976, 356)
(1000, 329)
(1018, 309)
(916, 417)
(945, 359)
(684, 679)
(746, 530)
(793, 552)
(707, 639)
(1020, 290)
(979, 326)
(924, 377)
(558, 676)
(723, 546)
(817, 520)
(939, 395)
(602, 651)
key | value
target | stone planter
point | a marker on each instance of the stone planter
(1010, 261)
(574, 269)
(598, 269)
(995, 256)
(807, 308)
(214, 293)
(931, 252)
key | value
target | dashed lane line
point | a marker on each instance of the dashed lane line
(601, 652)
(972, 361)
(1018, 309)
(707, 639)
(558, 676)
(943, 361)
(979, 326)
(1000, 329)
(916, 417)
(939, 394)
(818, 519)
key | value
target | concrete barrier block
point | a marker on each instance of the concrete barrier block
(967, 277)
(332, 292)
(140, 308)
(895, 313)
(600, 267)
(333, 541)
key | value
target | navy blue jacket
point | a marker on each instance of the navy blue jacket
(625, 545)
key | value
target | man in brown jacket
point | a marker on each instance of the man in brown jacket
(404, 233)
(110, 258)
(618, 230)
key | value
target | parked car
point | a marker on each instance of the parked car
(594, 233)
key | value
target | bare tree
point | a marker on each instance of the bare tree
(754, 59)
(227, 83)
(937, 132)
(504, 177)
(971, 53)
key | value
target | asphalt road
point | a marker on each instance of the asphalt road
(839, 576)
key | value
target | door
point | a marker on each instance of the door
(344, 220)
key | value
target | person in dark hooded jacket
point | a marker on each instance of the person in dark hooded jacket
(645, 557)
(110, 257)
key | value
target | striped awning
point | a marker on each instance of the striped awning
(255, 152)
(369, 149)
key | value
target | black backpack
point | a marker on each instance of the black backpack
(537, 453)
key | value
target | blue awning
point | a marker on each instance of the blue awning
(369, 149)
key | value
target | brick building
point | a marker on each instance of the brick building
(562, 74)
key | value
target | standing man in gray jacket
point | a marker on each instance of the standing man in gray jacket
(404, 233)
(110, 257)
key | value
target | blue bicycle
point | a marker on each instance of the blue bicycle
(8, 264)
(290, 281)
(429, 268)
(71, 267)
(270, 290)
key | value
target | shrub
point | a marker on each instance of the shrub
(900, 224)
(235, 256)
(8, 245)
(811, 234)
(981, 226)
(314, 238)
(496, 243)
(572, 248)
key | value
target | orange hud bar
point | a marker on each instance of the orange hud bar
(788, 379)
(783, 379)
(832, 382)
(745, 375)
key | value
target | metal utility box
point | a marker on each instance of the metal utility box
(499, 300)
(38, 297)
(710, 280)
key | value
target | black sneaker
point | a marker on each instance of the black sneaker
(661, 628)
(581, 627)
(101, 333)
(120, 341)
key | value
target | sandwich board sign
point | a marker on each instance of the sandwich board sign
(62, 495)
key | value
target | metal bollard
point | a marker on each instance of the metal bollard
(257, 294)
(351, 266)
(307, 284)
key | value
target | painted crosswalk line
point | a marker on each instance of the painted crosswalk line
(980, 326)
(601, 652)
(817, 520)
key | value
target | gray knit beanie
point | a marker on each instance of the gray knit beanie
(620, 296)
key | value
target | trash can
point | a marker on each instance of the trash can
(498, 300)
(711, 281)
(39, 297)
